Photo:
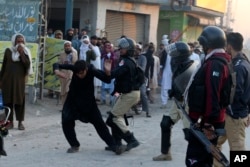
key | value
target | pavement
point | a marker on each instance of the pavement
(43, 144)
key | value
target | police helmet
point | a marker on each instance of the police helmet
(212, 37)
(128, 44)
(179, 49)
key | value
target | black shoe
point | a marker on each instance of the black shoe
(108, 148)
(132, 145)
(120, 149)
(117, 149)
(148, 115)
(73, 150)
(3, 153)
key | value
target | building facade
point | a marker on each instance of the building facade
(142, 20)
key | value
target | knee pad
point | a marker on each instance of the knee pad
(166, 122)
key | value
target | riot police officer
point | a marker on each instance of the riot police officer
(206, 95)
(129, 94)
(182, 68)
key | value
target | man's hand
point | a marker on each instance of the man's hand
(107, 66)
(209, 131)
(20, 49)
(60, 74)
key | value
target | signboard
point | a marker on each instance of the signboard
(34, 53)
(53, 49)
(19, 16)
(219, 6)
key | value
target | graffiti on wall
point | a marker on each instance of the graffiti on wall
(19, 17)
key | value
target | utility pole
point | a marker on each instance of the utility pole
(42, 30)
(229, 18)
(69, 14)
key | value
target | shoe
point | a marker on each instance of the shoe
(3, 153)
(73, 150)
(120, 149)
(131, 140)
(20, 126)
(132, 145)
(148, 115)
(163, 106)
(108, 148)
(163, 157)
(10, 125)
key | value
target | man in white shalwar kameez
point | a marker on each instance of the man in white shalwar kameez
(96, 62)
(166, 77)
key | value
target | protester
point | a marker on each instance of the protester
(166, 74)
(107, 87)
(80, 103)
(97, 63)
(17, 65)
(69, 56)
(142, 62)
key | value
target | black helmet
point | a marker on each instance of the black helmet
(179, 49)
(128, 44)
(212, 37)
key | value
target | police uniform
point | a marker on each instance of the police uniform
(205, 92)
(129, 95)
(182, 67)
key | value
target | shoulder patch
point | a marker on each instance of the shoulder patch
(121, 63)
(238, 62)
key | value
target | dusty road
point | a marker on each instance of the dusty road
(42, 144)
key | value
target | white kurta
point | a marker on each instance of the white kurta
(166, 83)
(167, 75)
(97, 63)
(154, 83)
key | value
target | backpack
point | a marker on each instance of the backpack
(139, 78)
(228, 91)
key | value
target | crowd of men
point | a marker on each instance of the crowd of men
(198, 75)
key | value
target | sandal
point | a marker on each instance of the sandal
(20, 126)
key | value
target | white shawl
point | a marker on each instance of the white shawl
(15, 53)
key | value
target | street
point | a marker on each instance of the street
(43, 144)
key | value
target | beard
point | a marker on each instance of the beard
(68, 51)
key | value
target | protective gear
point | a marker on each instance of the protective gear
(212, 37)
(128, 44)
(131, 140)
(119, 135)
(116, 132)
(182, 68)
(180, 50)
(166, 125)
